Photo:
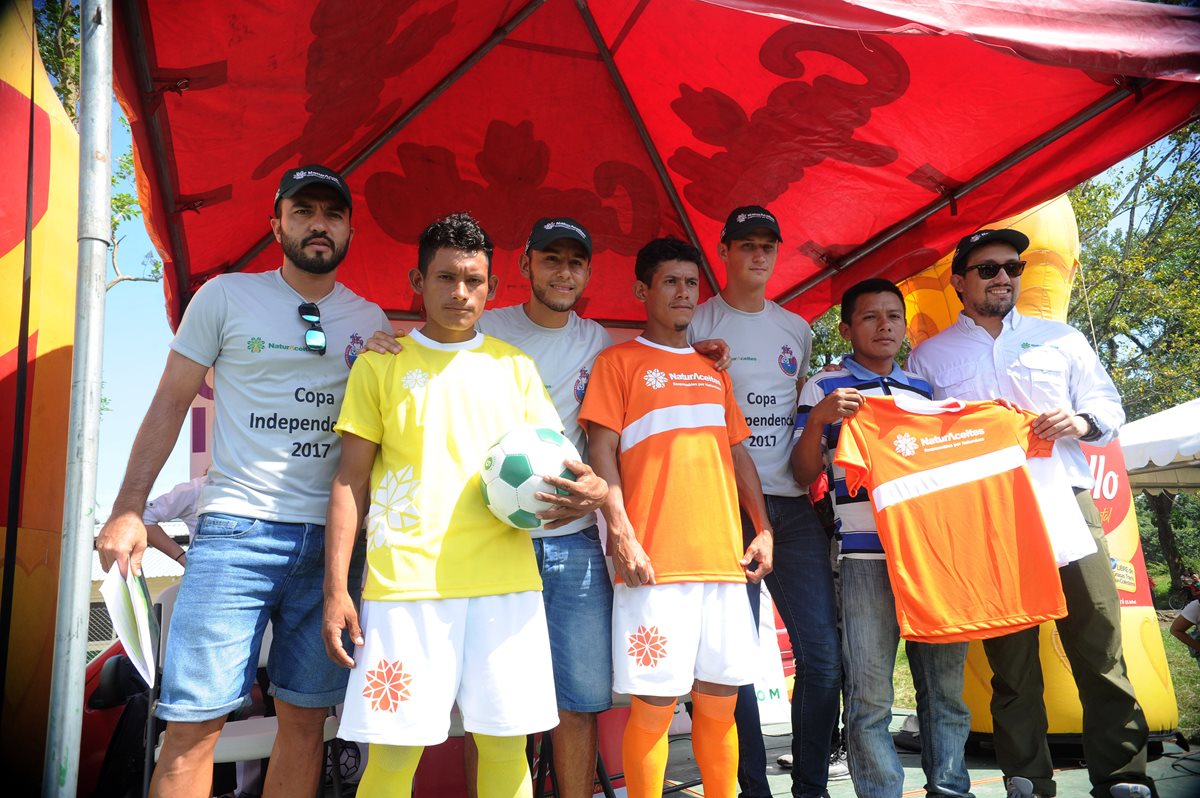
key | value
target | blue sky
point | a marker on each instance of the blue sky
(136, 336)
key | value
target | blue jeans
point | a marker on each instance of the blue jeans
(802, 587)
(578, 597)
(242, 573)
(869, 639)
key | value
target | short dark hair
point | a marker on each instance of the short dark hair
(874, 285)
(659, 251)
(456, 231)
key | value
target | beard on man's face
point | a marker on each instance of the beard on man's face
(556, 303)
(319, 263)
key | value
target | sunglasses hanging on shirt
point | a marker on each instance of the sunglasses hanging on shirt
(314, 336)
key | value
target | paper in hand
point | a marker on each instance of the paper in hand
(129, 606)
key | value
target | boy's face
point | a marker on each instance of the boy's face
(876, 328)
(672, 294)
(455, 287)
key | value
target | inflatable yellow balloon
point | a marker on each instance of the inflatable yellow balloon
(55, 177)
(932, 305)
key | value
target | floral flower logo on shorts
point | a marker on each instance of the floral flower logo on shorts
(387, 686)
(647, 646)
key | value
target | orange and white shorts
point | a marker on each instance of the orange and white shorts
(490, 654)
(667, 636)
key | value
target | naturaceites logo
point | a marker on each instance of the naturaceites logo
(906, 445)
(654, 378)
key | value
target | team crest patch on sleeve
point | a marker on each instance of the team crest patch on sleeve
(647, 646)
(353, 348)
(787, 361)
(581, 384)
(386, 686)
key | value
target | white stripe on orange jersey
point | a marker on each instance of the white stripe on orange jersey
(911, 486)
(667, 419)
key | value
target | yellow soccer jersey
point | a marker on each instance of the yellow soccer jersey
(435, 409)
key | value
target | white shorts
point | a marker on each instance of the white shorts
(667, 636)
(491, 654)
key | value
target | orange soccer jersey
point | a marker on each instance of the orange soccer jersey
(967, 549)
(677, 417)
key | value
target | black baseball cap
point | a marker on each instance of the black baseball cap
(745, 220)
(1015, 238)
(549, 229)
(314, 174)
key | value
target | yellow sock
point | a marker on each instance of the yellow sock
(503, 771)
(715, 743)
(644, 748)
(390, 770)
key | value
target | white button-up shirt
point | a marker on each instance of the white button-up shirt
(1038, 365)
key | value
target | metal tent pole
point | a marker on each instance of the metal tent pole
(61, 770)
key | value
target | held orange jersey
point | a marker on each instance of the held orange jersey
(677, 418)
(967, 550)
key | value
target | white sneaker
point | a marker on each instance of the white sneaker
(1126, 790)
(1019, 787)
(838, 767)
(785, 761)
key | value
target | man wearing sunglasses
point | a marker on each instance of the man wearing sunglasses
(995, 352)
(280, 344)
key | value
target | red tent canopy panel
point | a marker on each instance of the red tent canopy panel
(878, 136)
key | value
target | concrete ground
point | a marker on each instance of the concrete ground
(1176, 773)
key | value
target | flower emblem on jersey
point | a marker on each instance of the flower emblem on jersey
(647, 646)
(581, 384)
(394, 511)
(355, 346)
(905, 444)
(787, 361)
(415, 378)
(386, 686)
(655, 379)
(255, 344)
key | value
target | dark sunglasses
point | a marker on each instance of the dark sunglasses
(989, 270)
(314, 336)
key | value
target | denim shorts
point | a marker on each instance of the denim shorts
(578, 596)
(242, 573)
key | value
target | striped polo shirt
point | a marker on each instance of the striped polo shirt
(855, 521)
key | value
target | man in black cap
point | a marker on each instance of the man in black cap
(770, 348)
(280, 344)
(995, 352)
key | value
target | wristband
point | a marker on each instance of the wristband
(180, 554)
(1093, 431)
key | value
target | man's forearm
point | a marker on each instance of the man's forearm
(344, 520)
(808, 456)
(749, 488)
(151, 448)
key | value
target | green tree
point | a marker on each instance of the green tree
(1138, 292)
(57, 27)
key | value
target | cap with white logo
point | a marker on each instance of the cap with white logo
(547, 230)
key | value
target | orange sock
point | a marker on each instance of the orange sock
(715, 743)
(644, 748)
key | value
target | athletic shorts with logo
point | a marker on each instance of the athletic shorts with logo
(667, 636)
(488, 654)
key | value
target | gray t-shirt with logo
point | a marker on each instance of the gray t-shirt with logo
(564, 358)
(274, 448)
(770, 351)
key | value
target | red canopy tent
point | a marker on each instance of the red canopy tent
(879, 135)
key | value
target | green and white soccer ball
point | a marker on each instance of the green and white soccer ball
(513, 469)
